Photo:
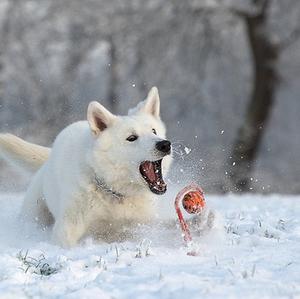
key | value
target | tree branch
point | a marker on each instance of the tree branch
(292, 38)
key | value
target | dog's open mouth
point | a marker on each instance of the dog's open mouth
(152, 174)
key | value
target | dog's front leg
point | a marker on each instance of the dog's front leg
(67, 232)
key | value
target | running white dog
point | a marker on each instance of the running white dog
(100, 175)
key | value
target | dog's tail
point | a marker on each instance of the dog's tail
(28, 156)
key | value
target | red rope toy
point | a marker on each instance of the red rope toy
(193, 202)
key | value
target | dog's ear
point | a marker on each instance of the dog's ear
(150, 105)
(99, 118)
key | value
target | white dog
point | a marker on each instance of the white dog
(100, 175)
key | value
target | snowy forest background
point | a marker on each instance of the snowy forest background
(228, 73)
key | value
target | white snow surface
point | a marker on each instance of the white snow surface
(252, 252)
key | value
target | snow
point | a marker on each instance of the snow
(253, 251)
(187, 150)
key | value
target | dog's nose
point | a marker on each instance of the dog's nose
(164, 146)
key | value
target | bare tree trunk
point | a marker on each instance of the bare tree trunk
(265, 56)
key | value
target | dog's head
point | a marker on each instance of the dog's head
(130, 152)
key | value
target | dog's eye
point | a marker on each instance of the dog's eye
(132, 138)
(154, 131)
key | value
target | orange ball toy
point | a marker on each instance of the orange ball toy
(193, 202)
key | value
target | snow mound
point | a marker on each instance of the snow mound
(253, 251)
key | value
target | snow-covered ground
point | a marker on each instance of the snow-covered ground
(253, 252)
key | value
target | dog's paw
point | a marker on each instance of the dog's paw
(66, 234)
(204, 221)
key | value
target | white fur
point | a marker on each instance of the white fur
(27, 156)
(64, 191)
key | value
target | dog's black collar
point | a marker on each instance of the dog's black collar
(101, 185)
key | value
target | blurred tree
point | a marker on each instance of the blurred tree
(265, 55)
(112, 88)
(4, 41)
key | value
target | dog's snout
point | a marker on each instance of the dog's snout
(164, 146)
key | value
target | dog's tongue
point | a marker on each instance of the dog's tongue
(151, 171)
